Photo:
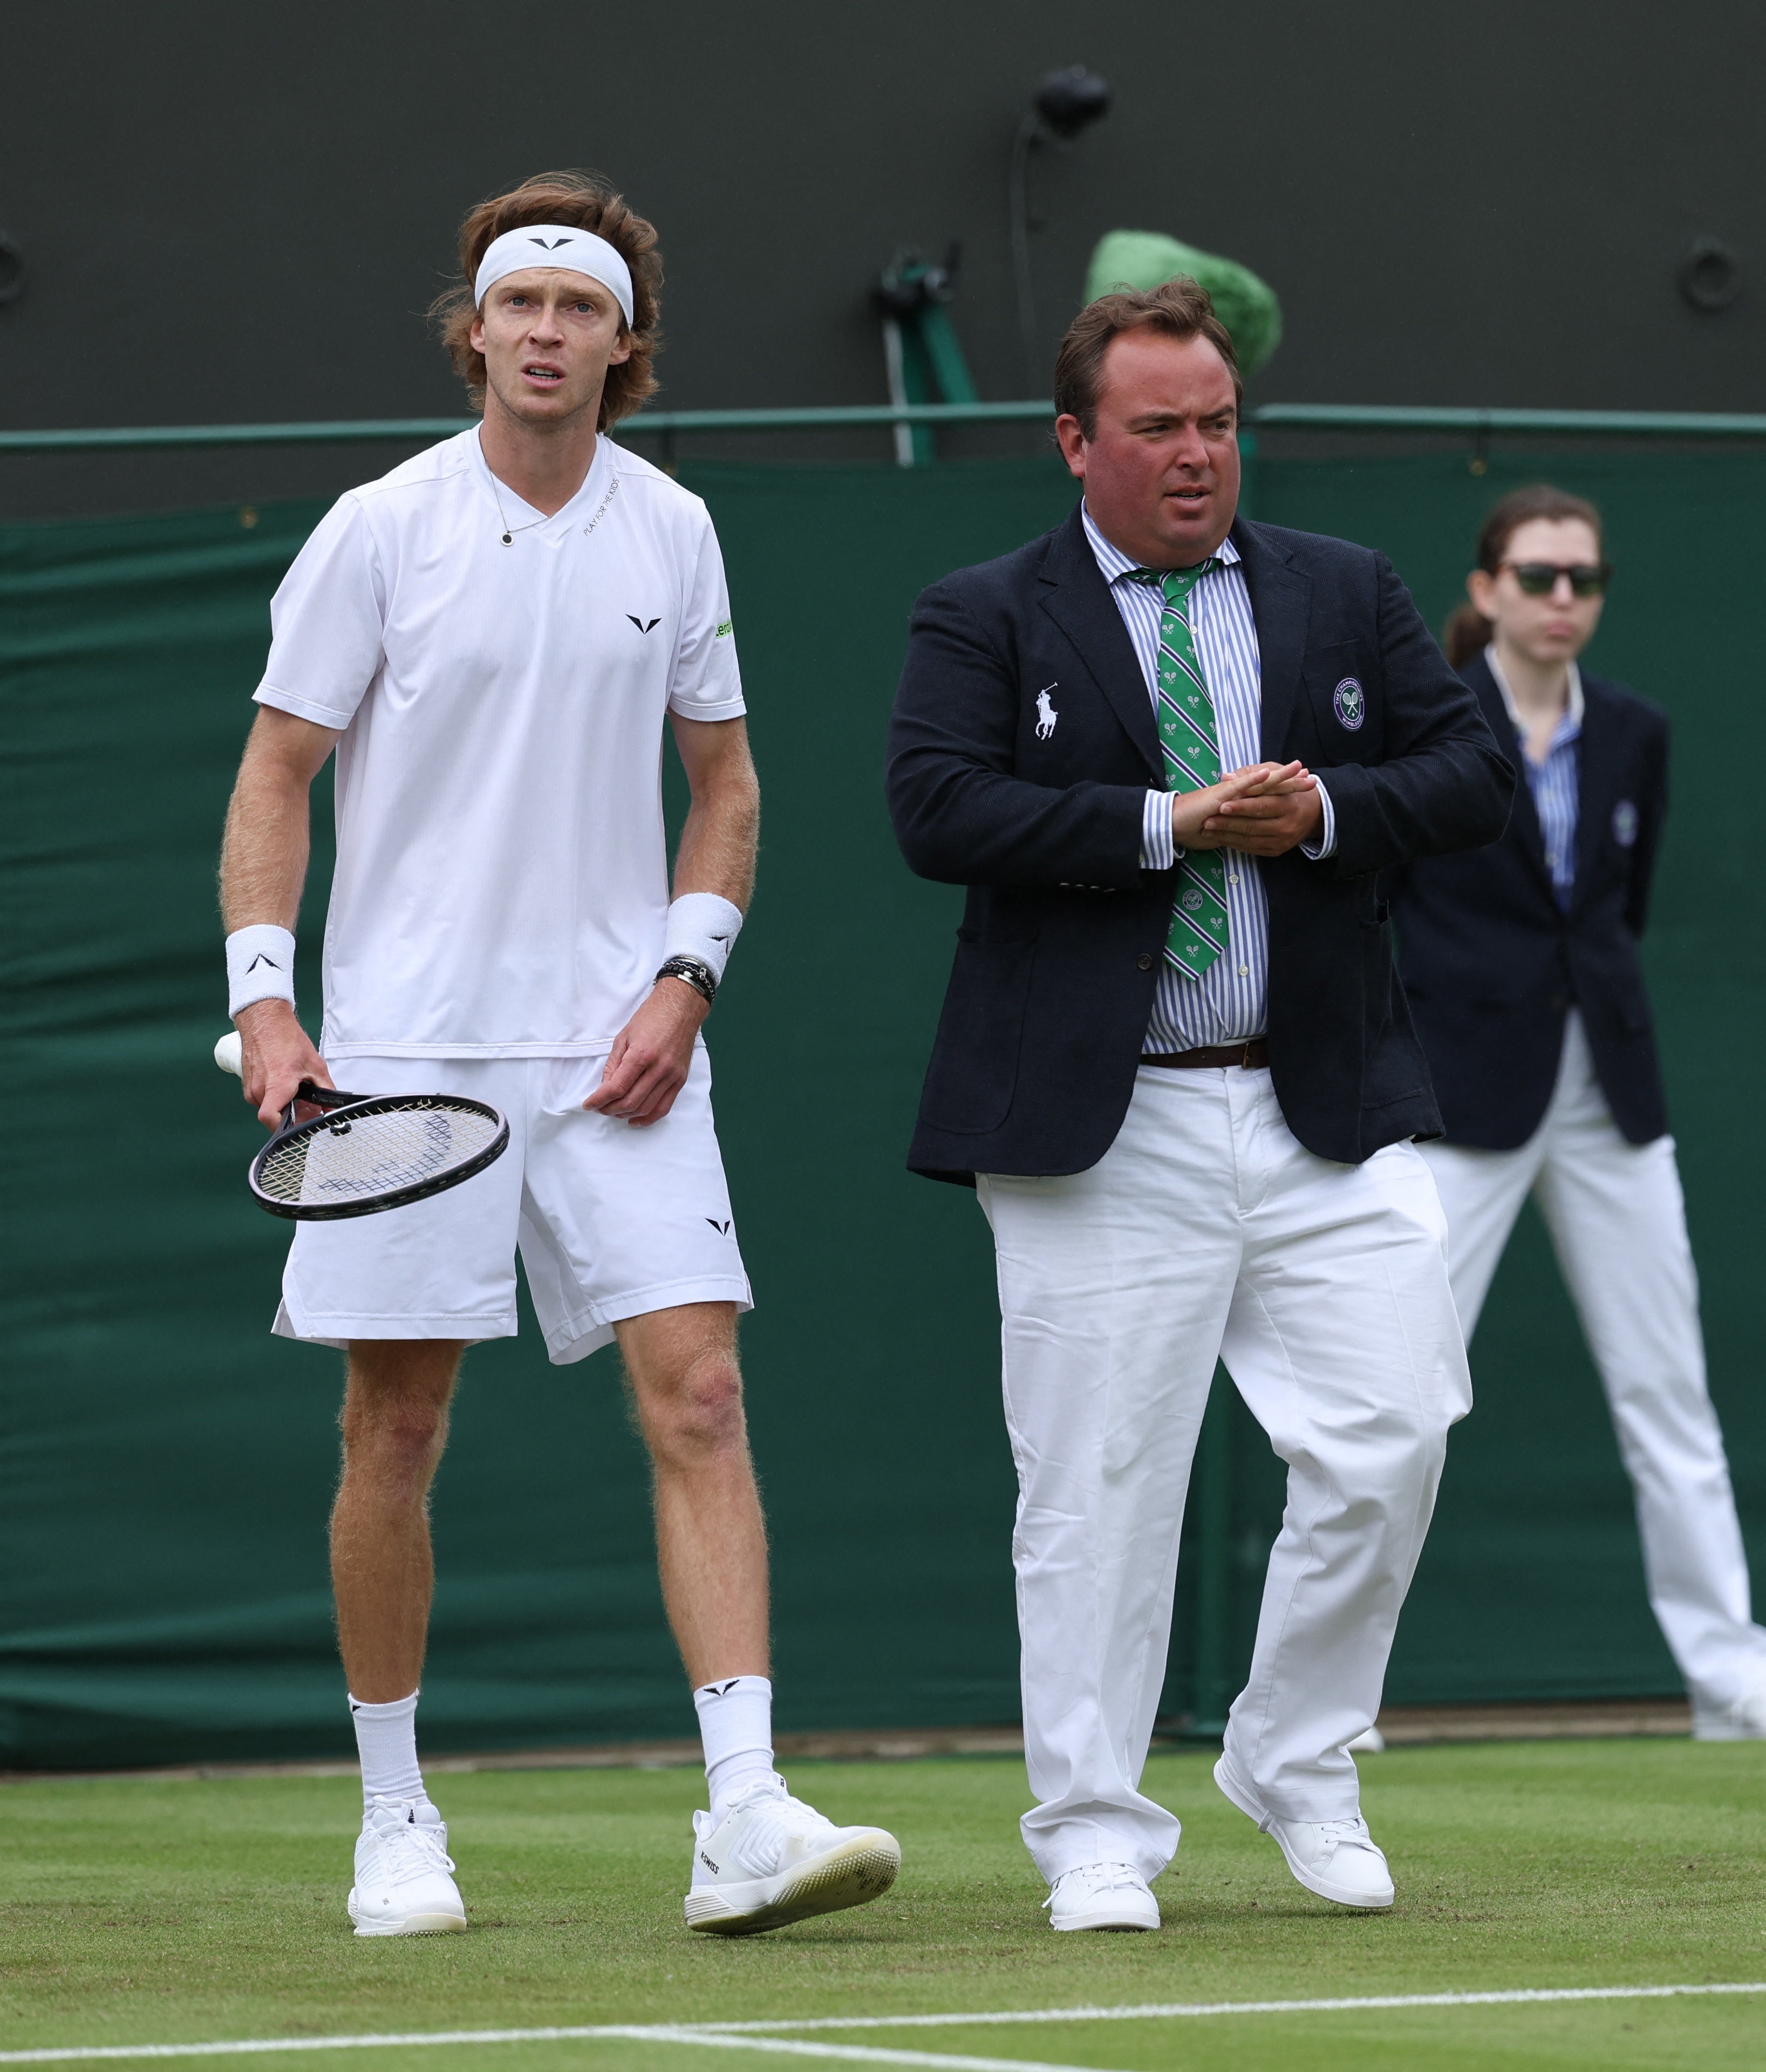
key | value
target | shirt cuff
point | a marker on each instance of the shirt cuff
(1158, 852)
(1326, 844)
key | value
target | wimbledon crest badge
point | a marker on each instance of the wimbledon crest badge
(1350, 703)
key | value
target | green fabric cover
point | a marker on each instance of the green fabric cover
(165, 1465)
(1147, 258)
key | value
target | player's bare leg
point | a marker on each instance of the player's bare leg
(383, 1571)
(711, 1541)
(760, 1858)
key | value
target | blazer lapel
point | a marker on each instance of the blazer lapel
(1281, 600)
(1524, 815)
(1597, 779)
(1077, 598)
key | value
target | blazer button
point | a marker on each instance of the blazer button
(1144, 961)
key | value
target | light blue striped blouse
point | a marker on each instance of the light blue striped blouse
(1227, 1004)
(1555, 782)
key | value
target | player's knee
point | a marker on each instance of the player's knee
(397, 1438)
(701, 1415)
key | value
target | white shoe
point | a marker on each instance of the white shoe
(1744, 1721)
(1102, 1896)
(772, 1859)
(402, 1865)
(1338, 1859)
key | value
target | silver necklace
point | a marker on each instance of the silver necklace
(510, 531)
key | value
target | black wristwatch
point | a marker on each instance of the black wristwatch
(697, 973)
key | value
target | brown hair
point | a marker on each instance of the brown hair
(586, 201)
(1467, 632)
(1180, 308)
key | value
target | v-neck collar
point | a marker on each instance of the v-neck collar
(520, 515)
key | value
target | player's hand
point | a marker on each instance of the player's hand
(278, 1054)
(1278, 812)
(1196, 821)
(648, 1063)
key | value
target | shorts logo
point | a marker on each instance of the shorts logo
(642, 625)
(1046, 714)
(721, 1228)
(1624, 823)
(725, 627)
(1190, 901)
(1349, 702)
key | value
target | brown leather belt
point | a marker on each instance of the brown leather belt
(1251, 1055)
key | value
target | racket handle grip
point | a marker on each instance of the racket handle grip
(230, 1053)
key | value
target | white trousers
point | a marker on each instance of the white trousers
(1207, 1232)
(1619, 1224)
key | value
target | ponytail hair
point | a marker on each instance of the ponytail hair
(1467, 632)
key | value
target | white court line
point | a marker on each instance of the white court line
(757, 2035)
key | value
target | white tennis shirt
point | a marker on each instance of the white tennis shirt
(502, 881)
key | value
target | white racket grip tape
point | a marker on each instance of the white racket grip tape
(260, 966)
(702, 925)
(230, 1053)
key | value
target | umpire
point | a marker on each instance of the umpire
(1522, 964)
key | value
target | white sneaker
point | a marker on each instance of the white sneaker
(402, 1865)
(1102, 1896)
(1744, 1721)
(1338, 1859)
(772, 1859)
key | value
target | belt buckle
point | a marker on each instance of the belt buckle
(1245, 1054)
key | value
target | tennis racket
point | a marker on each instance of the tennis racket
(366, 1152)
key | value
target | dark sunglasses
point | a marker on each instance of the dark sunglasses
(1540, 578)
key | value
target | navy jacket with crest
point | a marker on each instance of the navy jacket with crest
(1058, 954)
(1492, 963)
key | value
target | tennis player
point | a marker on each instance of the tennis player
(490, 637)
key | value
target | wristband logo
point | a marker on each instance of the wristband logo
(263, 957)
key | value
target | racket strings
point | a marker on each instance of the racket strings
(356, 1158)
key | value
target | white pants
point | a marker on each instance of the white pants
(1619, 1225)
(1207, 1232)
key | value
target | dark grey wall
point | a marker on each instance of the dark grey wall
(233, 214)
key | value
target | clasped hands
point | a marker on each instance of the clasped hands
(1265, 810)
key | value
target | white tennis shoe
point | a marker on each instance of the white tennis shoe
(1102, 1896)
(773, 1859)
(404, 1885)
(1339, 1859)
(1744, 1721)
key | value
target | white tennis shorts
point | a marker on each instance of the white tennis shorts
(612, 1222)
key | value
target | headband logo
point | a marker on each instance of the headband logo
(552, 246)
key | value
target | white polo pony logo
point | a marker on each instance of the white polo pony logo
(1046, 714)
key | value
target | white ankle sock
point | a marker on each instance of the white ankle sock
(386, 1740)
(736, 1725)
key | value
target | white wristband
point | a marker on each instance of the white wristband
(702, 925)
(260, 966)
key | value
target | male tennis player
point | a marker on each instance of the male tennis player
(491, 637)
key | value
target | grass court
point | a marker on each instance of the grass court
(136, 1912)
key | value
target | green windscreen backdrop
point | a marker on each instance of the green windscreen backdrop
(168, 1465)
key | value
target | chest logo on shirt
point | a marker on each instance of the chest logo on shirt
(1349, 701)
(643, 626)
(1046, 714)
(1624, 823)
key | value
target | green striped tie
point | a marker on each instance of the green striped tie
(1187, 735)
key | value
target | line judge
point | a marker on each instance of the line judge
(1168, 751)
(1523, 962)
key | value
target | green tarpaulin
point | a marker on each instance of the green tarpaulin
(168, 1465)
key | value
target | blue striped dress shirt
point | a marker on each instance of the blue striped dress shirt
(1227, 1004)
(1554, 783)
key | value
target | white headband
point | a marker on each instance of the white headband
(558, 244)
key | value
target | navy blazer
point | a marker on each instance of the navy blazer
(1060, 944)
(1492, 963)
